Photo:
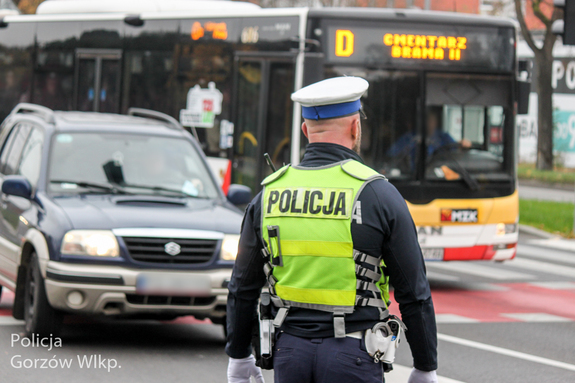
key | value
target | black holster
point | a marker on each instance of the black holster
(264, 325)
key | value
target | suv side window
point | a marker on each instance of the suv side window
(32, 157)
(13, 149)
(6, 147)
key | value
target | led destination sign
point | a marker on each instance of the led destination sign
(407, 46)
(422, 45)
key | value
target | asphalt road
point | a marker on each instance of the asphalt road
(510, 322)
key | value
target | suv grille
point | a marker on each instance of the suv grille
(170, 250)
(169, 300)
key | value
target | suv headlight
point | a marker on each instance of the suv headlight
(98, 243)
(230, 244)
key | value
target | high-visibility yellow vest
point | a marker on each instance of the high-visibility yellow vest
(306, 227)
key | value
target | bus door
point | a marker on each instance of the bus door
(263, 115)
(98, 80)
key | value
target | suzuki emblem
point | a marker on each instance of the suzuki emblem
(172, 248)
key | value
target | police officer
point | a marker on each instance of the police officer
(334, 234)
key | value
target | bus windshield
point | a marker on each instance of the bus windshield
(464, 139)
(466, 121)
(452, 130)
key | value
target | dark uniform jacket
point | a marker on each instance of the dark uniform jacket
(387, 230)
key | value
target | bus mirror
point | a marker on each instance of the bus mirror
(523, 89)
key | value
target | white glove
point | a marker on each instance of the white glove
(240, 370)
(418, 376)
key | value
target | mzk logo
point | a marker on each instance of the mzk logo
(309, 202)
(459, 215)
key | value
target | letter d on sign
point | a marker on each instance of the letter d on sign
(343, 43)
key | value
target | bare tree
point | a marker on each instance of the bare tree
(543, 72)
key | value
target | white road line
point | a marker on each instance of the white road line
(505, 351)
(474, 268)
(10, 321)
(555, 285)
(536, 317)
(453, 318)
(400, 374)
(442, 277)
(545, 254)
(544, 267)
(557, 243)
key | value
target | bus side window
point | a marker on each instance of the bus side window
(15, 57)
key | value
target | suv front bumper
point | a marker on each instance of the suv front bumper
(111, 290)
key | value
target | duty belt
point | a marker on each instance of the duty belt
(338, 315)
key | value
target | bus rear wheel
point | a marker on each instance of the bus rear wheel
(40, 318)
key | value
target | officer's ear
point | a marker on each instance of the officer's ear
(355, 129)
(304, 130)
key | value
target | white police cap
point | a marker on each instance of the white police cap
(331, 98)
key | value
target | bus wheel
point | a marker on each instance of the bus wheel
(40, 318)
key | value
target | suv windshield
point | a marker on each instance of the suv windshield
(127, 163)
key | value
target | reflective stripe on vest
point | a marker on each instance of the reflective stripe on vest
(306, 226)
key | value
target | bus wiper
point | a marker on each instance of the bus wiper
(92, 185)
(160, 188)
(465, 176)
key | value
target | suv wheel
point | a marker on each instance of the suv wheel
(40, 318)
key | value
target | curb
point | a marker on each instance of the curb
(545, 185)
(537, 232)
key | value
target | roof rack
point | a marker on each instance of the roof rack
(147, 113)
(46, 114)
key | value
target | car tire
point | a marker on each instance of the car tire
(39, 317)
(223, 322)
(1, 292)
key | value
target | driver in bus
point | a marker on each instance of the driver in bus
(436, 139)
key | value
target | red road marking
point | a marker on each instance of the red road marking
(486, 306)
(189, 320)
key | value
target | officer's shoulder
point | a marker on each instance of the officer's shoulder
(382, 188)
(360, 171)
(275, 175)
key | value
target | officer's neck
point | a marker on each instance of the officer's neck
(323, 153)
(328, 137)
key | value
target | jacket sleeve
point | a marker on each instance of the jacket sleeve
(406, 269)
(245, 285)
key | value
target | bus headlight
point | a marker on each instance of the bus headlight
(229, 250)
(97, 243)
(505, 228)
